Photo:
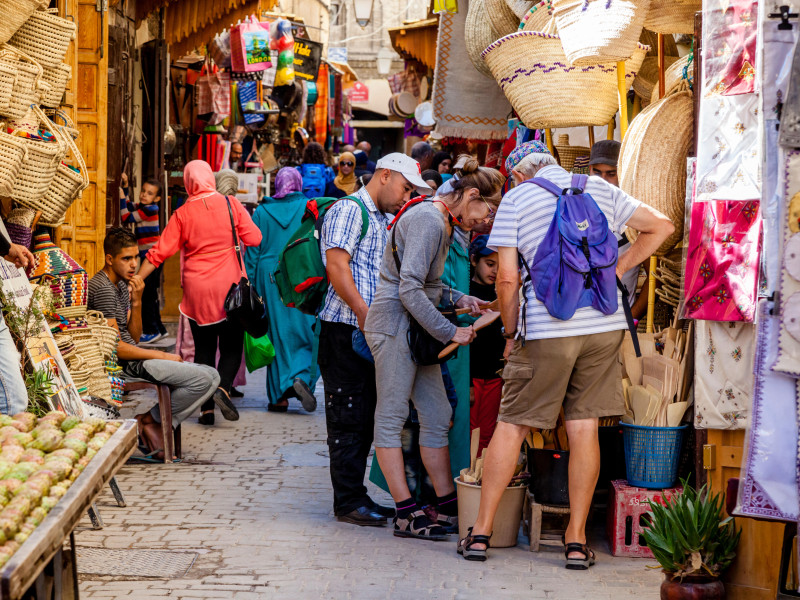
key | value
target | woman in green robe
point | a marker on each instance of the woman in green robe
(294, 371)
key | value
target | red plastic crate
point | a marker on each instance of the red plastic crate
(626, 506)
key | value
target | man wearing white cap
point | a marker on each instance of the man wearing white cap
(353, 265)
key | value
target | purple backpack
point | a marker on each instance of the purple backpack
(574, 266)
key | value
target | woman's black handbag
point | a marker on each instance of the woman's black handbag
(242, 304)
(424, 347)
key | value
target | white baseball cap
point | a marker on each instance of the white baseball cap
(408, 168)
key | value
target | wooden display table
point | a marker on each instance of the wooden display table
(25, 569)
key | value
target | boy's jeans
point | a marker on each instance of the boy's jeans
(13, 395)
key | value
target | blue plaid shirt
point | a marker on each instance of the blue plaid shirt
(342, 229)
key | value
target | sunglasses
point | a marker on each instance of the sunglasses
(347, 164)
(489, 206)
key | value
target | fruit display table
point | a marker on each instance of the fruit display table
(39, 562)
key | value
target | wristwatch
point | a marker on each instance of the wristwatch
(509, 336)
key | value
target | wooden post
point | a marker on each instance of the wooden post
(548, 136)
(591, 136)
(610, 129)
(623, 100)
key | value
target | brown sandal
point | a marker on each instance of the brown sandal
(466, 550)
(579, 564)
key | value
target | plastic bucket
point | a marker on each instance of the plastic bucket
(652, 455)
(549, 471)
(506, 521)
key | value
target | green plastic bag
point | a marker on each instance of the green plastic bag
(258, 352)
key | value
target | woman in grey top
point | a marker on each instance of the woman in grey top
(423, 236)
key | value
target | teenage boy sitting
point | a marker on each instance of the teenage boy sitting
(144, 217)
(116, 291)
(486, 352)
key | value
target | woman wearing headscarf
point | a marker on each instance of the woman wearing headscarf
(345, 182)
(227, 182)
(293, 373)
(200, 230)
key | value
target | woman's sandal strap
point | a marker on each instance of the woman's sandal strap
(476, 539)
(588, 554)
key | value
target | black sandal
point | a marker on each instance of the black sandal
(419, 525)
(578, 564)
(465, 546)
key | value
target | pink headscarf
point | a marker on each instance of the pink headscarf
(287, 180)
(199, 180)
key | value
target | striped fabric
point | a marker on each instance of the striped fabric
(522, 221)
(144, 218)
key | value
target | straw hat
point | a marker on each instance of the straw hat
(647, 77)
(669, 16)
(652, 160)
(567, 154)
(673, 78)
(520, 7)
(539, 18)
(478, 34)
(502, 18)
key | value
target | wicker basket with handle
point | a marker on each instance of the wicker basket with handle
(15, 13)
(57, 79)
(669, 16)
(46, 36)
(67, 185)
(531, 69)
(27, 87)
(478, 34)
(39, 168)
(501, 17)
(595, 31)
(567, 154)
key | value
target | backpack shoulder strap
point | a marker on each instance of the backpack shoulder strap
(579, 181)
(364, 215)
(545, 184)
(408, 205)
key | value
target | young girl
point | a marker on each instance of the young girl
(486, 352)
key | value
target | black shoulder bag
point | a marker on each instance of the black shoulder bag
(242, 304)
(424, 347)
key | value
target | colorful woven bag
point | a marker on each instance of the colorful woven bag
(66, 278)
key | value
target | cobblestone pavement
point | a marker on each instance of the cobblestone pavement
(252, 499)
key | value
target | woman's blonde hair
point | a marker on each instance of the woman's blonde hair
(489, 182)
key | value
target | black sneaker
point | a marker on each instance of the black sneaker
(305, 395)
(226, 407)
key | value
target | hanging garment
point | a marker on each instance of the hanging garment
(723, 375)
(790, 119)
(779, 47)
(729, 46)
(722, 261)
(768, 483)
(789, 337)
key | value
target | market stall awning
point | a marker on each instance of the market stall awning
(417, 40)
(193, 23)
(347, 71)
(377, 100)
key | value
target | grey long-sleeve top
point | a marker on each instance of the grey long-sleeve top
(422, 245)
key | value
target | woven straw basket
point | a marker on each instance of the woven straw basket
(478, 34)
(39, 168)
(531, 69)
(520, 7)
(57, 79)
(15, 13)
(27, 86)
(502, 18)
(67, 185)
(669, 16)
(12, 153)
(567, 154)
(673, 78)
(106, 337)
(652, 160)
(539, 18)
(646, 79)
(46, 36)
(597, 31)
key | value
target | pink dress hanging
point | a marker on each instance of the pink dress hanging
(722, 261)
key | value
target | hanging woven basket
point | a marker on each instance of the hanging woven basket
(57, 79)
(39, 168)
(567, 154)
(598, 31)
(15, 13)
(478, 34)
(520, 7)
(669, 16)
(502, 18)
(678, 77)
(68, 185)
(646, 80)
(27, 86)
(531, 69)
(539, 18)
(46, 36)
(652, 160)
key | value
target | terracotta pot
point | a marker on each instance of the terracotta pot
(692, 588)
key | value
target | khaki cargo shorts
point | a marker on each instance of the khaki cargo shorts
(582, 373)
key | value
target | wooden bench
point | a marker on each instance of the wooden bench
(170, 437)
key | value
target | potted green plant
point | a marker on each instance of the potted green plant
(692, 542)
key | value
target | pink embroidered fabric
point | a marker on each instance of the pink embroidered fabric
(729, 54)
(722, 261)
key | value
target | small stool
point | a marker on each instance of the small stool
(170, 437)
(532, 516)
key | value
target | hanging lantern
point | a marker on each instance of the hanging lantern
(363, 9)
(384, 61)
